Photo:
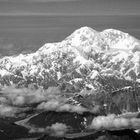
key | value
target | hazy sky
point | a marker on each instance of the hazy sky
(69, 7)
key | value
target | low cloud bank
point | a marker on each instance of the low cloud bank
(57, 129)
(58, 106)
(26, 96)
(10, 111)
(111, 122)
(23, 96)
(7, 111)
(14, 99)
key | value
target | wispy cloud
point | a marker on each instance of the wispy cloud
(50, 0)
(57, 129)
(55, 105)
(38, 1)
(69, 7)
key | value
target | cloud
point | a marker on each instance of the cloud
(59, 106)
(3, 100)
(49, 100)
(68, 7)
(38, 1)
(112, 122)
(57, 129)
(7, 111)
(22, 96)
(50, 0)
(10, 111)
(26, 96)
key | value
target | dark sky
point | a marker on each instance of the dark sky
(69, 7)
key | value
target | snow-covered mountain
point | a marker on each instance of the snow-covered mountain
(87, 78)
(79, 61)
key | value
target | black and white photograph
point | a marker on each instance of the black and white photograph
(69, 69)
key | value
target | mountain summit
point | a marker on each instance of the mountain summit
(83, 56)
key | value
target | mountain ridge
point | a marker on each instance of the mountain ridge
(110, 52)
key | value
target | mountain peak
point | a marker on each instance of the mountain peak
(117, 39)
(114, 34)
(84, 29)
(82, 33)
(83, 38)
